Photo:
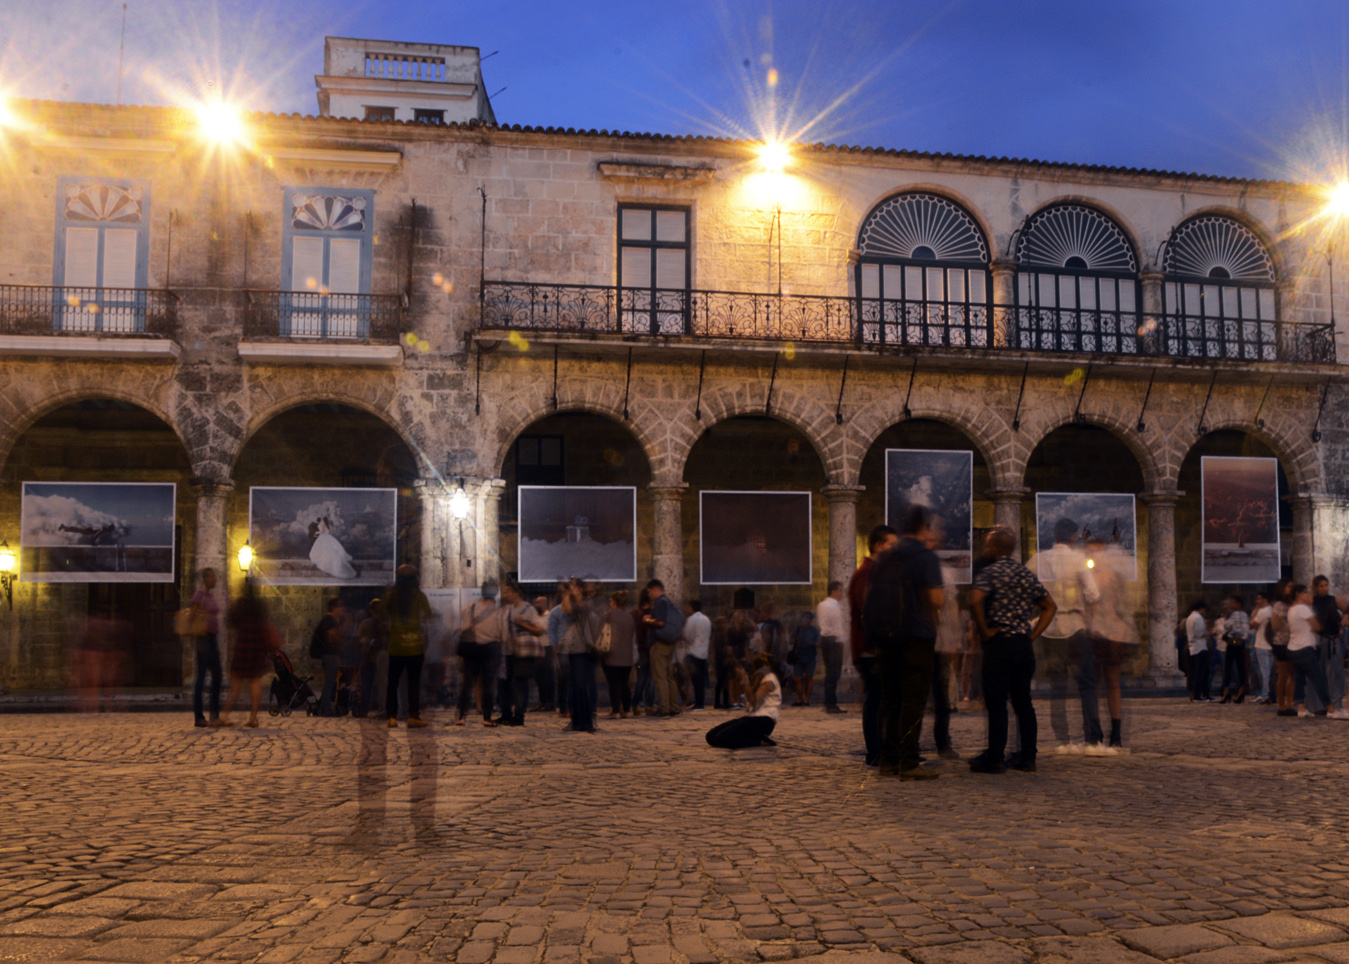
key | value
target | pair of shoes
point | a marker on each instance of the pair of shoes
(414, 723)
(1024, 764)
(834, 709)
(982, 764)
(200, 723)
(1286, 713)
(489, 723)
(1100, 749)
(393, 722)
(918, 773)
(514, 723)
(1304, 714)
(1070, 749)
(1227, 698)
(1241, 697)
(946, 753)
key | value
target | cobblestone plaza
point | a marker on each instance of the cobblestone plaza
(134, 837)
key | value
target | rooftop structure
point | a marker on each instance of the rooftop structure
(388, 80)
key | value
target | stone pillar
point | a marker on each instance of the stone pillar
(1152, 334)
(1315, 537)
(1004, 300)
(431, 494)
(842, 530)
(667, 537)
(1162, 602)
(1007, 512)
(489, 530)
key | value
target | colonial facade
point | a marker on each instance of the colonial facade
(466, 307)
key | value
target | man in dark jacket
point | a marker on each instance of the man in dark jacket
(880, 541)
(664, 623)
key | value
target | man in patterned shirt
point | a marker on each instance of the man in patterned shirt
(1004, 596)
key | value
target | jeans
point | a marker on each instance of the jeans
(871, 708)
(1200, 677)
(1072, 657)
(620, 694)
(662, 671)
(1264, 658)
(832, 651)
(520, 672)
(398, 665)
(1307, 665)
(1009, 666)
(644, 692)
(208, 661)
(741, 732)
(698, 672)
(721, 696)
(941, 701)
(1234, 669)
(331, 665)
(584, 691)
(477, 657)
(905, 671)
(1335, 669)
(545, 678)
(563, 683)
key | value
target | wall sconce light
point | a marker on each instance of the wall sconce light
(459, 503)
(245, 558)
(8, 571)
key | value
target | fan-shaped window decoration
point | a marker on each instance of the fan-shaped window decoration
(922, 227)
(1077, 237)
(1219, 299)
(923, 274)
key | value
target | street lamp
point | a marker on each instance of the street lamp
(8, 565)
(459, 509)
(220, 122)
(245, 558)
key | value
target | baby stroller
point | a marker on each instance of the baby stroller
(290, 692)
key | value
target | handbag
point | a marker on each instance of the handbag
(605, 642)
(191, 621)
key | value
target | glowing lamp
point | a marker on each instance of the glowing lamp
(220, 123)
(8, 564)
(245, 558)
(1337, 199)
(774, 156)
(1091, 563)
(459, 504)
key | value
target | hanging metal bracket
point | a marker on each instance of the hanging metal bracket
(477, 395)
(1016, 416)
(1086, 380)
(838, 409)
(1202, 428)
(913, 373)
(1260, 422)
(1316, 428)
(698, 404)
(555, 350)
(768, 402)
(1142, 426)
(627, 386)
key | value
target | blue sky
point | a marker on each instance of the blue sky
(1246, 88)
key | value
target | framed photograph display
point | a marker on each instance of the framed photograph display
(943, 481)
(755, 538)
(97, 532)
(323, 537)
(577, 530)
(1240, 519)
(1107, 516)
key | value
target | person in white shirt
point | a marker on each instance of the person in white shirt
(1264, 652)
(833, 637)
(697, 637)
(763, 700)
(1303, 627)
(1196, 635)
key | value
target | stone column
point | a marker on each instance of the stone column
(842, 530)
(211, 551)
(1152, 333)
(431, 494)
(1162, 604)
(1007, 512)
(667, 537)
(489, 530)
(1004, 300)
(1315, 539)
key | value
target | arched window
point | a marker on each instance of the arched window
(1077, 284)
(1219, 292)
(922, 274)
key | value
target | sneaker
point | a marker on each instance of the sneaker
(1070, 749)
(416, 724)
(1304, 714)
(1338, 714)
(1097, 749)
(982, 764)
(918, 773)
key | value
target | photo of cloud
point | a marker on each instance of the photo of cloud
(97, 532)
(755, 538)
(1107, 516)
(1241, 519)
(942, 480)
(323, 537)
(586, 531)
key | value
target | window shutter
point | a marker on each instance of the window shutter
(306, 272)
(81, 257)
(119, 259)
(344, 266)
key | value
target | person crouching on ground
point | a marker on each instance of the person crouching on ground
(763, 699)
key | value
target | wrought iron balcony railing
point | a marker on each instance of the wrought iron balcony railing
(305, 315)
(881, 323)
(56, 310)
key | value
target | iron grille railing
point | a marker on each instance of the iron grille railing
(306, 315)
(58, 310)
(880, 323)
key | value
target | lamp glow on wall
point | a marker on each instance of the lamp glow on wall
(8, 571)
(460, 505)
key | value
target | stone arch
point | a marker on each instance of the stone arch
(789, 405)
(1111, 212)
(941, 190)
(1054, 413)
(1287, 437)
(534, 401)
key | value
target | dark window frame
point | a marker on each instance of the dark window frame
(654, 311)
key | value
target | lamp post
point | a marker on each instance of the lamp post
(8, 571)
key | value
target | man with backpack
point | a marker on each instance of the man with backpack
(900, 621)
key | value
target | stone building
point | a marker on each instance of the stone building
(463, 307)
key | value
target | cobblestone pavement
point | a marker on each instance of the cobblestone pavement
(135, 837)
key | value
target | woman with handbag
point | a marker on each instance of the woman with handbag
(618, 661)
(203, 623)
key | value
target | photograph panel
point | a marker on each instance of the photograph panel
(585, 531)
(323, 537)
(942, 480)
(1107, 516)
(97, 532)
(755, 538)
(1240, 506)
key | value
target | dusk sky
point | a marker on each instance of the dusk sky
(1239, 87)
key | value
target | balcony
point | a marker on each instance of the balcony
(878, 325)
(302, 327)
(88, 322)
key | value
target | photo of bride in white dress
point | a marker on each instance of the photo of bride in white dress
(323, 537)
(327, 553)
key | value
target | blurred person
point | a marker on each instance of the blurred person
(665, 624)
(1285, 684)
(374, 636)
(833, 637)
(1064, 572)
(805, 647)
(1197, 638)
(205, 601)
(739, 634)
(950, 639)
(1262, 648)
(1236, 627)
(644, 690)
(545, 677)
(1329, 643)
(722, 660)
(755, 727)
(585, 610)
(1004, 597)
(1303, 628)
(255, 638)
(557, 625)
(525, 631)
(697, 634)
(880, 540)
(773, 641)
(1114, 633)
(900, 612)
(96, 660)
(409, 611)
(618, 662)
(325, 645)
(479, 631)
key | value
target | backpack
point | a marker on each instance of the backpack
(887, 599)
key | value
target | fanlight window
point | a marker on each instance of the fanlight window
(1077, 285)
(1219, 292)
(923, 273)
